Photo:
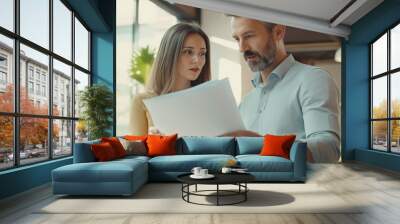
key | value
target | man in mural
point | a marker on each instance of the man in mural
(289, 97)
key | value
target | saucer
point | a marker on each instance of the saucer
(208, 176)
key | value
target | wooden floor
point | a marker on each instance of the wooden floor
(377, 188)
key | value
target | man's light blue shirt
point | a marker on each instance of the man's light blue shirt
(297, 99)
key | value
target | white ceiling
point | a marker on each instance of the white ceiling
(314, 15)
(321, 9)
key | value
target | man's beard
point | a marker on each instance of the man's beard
(264, 61)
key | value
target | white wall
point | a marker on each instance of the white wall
(124, 42)
(225, 56)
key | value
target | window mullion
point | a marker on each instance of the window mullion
(389, 106)
(16, 84)
(50, 81)
(73, 82)
(371, 89)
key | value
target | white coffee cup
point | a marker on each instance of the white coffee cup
(226, 170)
(203, 172)
(196, 170)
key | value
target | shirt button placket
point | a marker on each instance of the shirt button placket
(262, 103)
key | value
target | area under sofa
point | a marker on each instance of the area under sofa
(125, 176)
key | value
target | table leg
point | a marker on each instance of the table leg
(182, 188)
(196, 188)
(217, 194)
(188, 189)
(245, 193)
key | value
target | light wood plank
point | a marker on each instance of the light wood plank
(377, 191)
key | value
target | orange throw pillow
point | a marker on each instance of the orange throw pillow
(135, 137)
(103, 152)
(275, 145)
(116, 145)
(159, 145)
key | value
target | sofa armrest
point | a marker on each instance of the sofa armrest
(298, 155)
(83, 152)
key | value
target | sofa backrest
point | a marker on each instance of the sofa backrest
(192, 146)
(249, 145)
(83, 152)
(206, 145)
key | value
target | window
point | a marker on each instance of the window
(54, 126)
(3, 79)
(62, 130)
(81, 81)
(38, 89)
(81, 45)
(385, 94)
(3, 61)
(30, 72)
(3, 72)
(30, 87)
(34, 21)
(7, 14)
(62, 74)
(6, 143)
(7, 85)
(62, 29)
(43, 90)
(37, 74)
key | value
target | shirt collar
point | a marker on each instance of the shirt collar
(278, 72)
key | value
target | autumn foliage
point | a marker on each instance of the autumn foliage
(380, 127)
(33, 130)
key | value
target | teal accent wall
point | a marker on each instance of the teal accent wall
(103, 53)
(355, 74)
(24, 178)
(99, 16)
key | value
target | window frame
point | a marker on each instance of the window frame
(16, 115)
(388, 74)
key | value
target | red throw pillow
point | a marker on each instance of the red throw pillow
(159, 145)
(103, 151)
(275, 145)
(116, 145)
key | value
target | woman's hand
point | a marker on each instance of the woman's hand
(154, 131)
(239, 133)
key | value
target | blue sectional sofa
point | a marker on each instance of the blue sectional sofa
(125, 176)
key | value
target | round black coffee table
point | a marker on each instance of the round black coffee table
(238, 179)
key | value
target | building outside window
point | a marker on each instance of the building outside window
(3, 72)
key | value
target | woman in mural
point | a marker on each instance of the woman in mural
(182, 61)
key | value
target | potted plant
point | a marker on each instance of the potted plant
(96, 102)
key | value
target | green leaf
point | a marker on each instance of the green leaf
(96, 102)
(141, 63)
